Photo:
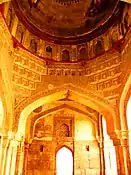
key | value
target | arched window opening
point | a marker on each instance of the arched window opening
(48, 49)
(99, 47)
(33, 45)
(64, 130)
(65, 55)
(82, 54)
(64, 162)
(109, 152)
(128, 113)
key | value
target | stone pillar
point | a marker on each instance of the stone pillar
(14, 145)
(73, 57)
(9, 147)
(101, 145)
(3, 153)
(26, 149)
(122, 155)
(10, 163)
(20, 159)
(8, 160)
(102, 160)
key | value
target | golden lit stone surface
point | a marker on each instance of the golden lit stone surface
(64, 114)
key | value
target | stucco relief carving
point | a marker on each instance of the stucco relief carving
(94, 74)
(113, 37)
(63, 126)
(97, 77)
(87, 94)
(26, 75)
(91, 115)
(42, 129)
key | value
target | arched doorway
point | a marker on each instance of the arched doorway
(109, 152)
(64, 162)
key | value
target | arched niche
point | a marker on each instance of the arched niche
(65, 55)
(99, 47)
(49, 49)
(82, 53)
(33, 45)
(64, 130)
(34, 119)
(85, 126)
(93, 100)
(64, 161)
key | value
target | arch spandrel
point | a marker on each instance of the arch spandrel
(6, 62)
(34, 118)
(93, 100)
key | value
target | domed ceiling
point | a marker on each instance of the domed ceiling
(66, 21)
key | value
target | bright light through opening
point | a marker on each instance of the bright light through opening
(64, 162)
(109, 152)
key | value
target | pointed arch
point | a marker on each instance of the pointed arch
(82, 96)
(30, 126)
(126, 93)
(83, 53)
(65, 55)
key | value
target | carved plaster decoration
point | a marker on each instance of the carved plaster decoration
(63, 125)
(88, 94)
(58, 108)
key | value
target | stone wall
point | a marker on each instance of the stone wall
(64, 128)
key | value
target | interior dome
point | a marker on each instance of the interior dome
(66, 21)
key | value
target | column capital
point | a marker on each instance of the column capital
(119, 134)
(120, 142)
(120, 137)
(116, 142)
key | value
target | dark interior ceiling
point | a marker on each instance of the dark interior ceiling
(67, 21)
